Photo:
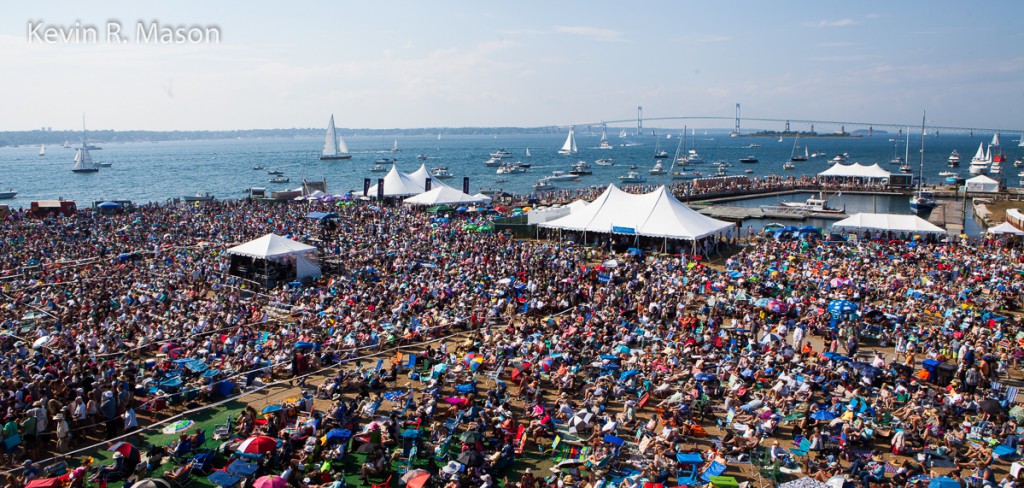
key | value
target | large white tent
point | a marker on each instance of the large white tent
(399, 184)
(982, 184)
(856, 170)
(444, 195)
(420, 177)
(887, 222)
(273, 248)
(654, 214)
(1005, 228)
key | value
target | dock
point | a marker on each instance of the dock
(949, 215)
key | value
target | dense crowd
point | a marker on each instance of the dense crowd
(613, 365)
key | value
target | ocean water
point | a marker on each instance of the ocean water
(145, 172)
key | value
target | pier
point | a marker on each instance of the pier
(732, 213)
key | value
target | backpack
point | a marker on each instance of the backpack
(973, 377)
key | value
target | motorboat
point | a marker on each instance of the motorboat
(906, 168)
(422, 157)
(953, 160)
(558, 175)
(104, 165)
(658, 170)
(816, 154)
(722, 171)
(1018, 163)
(279, 179)
(198, 197)
(818, 204)
(581, 168)
(839, 159)
(661, 154)
(748, 171)
(494, 162)
(748, 160)
(510, 169)
(379, 168)
(9, 194)
(543, 184)
(441, 173)
(604, 162)
(274, 172)
(385, 160)
(258, 167)
(996, 168)
(501, 153)
(632, 177)
(633, 166)
(788, 166)
(685, 175)
(692, 157)
(948, 173)
(752, 146)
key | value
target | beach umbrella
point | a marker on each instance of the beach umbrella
(470, 436)
(271, 409)
(338, 435)
(839, 307)
(625, 375)
(152, 483)
(473, 361)
(943, 482)
(547, 363)
(169, 346)
(704, 377)
(412, 474)
(179, 426)
(127, 450)
(40, 342)
(620, 349)
(991, 406)
(368, 448)
(570, 463)
(770, 337)
(837, 282)
(580, 419)
(270, 481)
(761, 302)
(823, 415)
(259, 444)
(777, 306)
(871, 372)
(471, 458)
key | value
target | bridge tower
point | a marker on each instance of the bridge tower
(736, 129)
(639, 120)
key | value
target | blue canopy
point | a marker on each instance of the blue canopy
(704, 377)
(322, 215)
(840, 307)
(109, 205)
(823, 415)
(628, 374)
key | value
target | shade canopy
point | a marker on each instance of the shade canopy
(982, 183)
(322, 215)
(271, 245)
(444, 195)
(856, 170)
(1005, 228)
(886, 222)
(654, 214)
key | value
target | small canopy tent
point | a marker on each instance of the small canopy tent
(444, 195)
(982, 184)
(910, 224)
(273, 258)
(1005, 228)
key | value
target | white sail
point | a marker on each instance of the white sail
(42, 149)
(980, 155)
(604, 135)
(570, 143)
(331, 140)
(394, 148)
(995, 139)
(83, 161)
(527, 152)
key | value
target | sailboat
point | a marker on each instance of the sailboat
(604, 139)
(527, 152)
(83, 161)
(66, 143)
(439, 136)
(394, 148)
(795, 155)
(42, 149)
(569, 147)
(622, 134)
(922, 201)
(334, 146)
(658, 152)
(980, 161)
(896, 159)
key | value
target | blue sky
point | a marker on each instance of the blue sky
(381, 64)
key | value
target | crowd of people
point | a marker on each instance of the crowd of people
(645, 368)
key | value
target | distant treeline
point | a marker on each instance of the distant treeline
(56, 137)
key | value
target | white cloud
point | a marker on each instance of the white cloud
(832, 23)
(595, 33)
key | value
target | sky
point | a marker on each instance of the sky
(406, 64)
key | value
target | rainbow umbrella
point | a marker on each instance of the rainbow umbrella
(474, 361)
(179, 426)
(547, 363)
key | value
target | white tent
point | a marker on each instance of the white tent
(270, 246)
(1005, 228)
(443, 195)
(398, 184)
(484, 198)
(577, 204)
(655, 214)
(275, 248)
(856, 170)
(420, 178)
(886, 222)
(982, 183)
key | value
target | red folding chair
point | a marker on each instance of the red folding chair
(385, 484)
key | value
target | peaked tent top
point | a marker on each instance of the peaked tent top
(269, 246)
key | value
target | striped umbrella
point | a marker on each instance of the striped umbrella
(474, 361)
(259, 444)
